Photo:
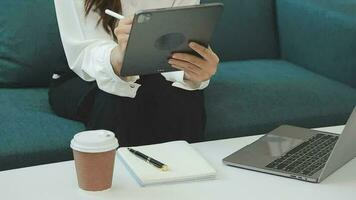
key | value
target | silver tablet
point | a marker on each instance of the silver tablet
(158, 33)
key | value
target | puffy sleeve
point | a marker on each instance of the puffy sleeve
(88, 47)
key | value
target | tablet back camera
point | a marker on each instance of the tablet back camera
(144, 18)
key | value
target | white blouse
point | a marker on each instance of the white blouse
(88, 47)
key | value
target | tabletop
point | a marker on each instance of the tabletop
(58, 181)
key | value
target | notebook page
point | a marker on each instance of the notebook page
(183, 161)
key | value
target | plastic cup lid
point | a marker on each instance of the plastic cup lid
(95, 141)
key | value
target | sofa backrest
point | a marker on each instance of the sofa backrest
(247, 30)
(320, 36)
(30, 45)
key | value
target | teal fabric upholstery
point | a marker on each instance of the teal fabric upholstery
(253, 97)
(312, 86)
(30, 133)
(247, 30)
(320, 36)
(30, 45)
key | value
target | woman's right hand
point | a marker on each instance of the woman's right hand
(122, 32)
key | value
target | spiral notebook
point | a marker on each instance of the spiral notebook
(184, 163)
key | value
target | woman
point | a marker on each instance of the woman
(138, 109)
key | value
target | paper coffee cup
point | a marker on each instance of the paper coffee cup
(94, 156)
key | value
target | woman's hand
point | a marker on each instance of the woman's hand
(122, 32)
(196, 69)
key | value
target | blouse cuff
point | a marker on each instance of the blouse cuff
(189, 85)
(120, 86)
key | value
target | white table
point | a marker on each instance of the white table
(58, 181)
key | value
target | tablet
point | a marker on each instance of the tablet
(158, 33)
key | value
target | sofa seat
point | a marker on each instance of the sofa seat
(253, 97)
(260, 94)
(31, 133)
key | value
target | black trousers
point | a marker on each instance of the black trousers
(158, 113)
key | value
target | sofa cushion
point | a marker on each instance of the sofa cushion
(30, 45)
(247, 29)
(253, 97)
(320, 36)
(30, 133)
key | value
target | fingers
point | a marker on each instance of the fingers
(195, 68)
(206, 53)
(126, 21)
(124, 26)
(123, 29)
(205, 65)
(185, 66)
(122, 32)
(189, 58)
(193, 75)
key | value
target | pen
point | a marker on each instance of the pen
(114, 14)
(150, 160)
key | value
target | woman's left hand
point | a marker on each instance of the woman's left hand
(196, 69)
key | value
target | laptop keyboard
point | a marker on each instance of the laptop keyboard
(308, 157)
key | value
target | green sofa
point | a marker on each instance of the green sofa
(283, 61)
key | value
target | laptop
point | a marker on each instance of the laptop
(298, 153)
